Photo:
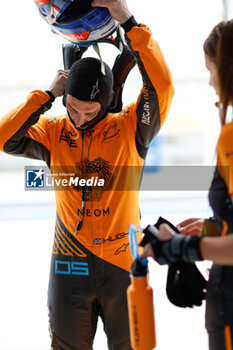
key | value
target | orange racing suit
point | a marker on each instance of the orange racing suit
(100, 250)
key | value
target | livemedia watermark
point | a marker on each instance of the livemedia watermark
(97, 178)
(40, 178)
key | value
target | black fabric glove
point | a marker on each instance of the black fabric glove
(186, 286)
(178, 248)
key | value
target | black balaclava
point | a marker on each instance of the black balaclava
(86, 82)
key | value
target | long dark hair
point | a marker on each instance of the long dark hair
(219, 48)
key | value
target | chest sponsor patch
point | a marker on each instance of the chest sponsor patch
(111, 132)
(69, 137)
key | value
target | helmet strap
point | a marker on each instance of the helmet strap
(97, 50)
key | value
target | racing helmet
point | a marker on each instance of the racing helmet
(77, 21)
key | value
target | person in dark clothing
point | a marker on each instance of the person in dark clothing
(211, 239)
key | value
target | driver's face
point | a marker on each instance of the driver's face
(81, 111)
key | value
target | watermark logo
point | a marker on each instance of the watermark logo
(97, 176)
(60, 178)
(35, 178)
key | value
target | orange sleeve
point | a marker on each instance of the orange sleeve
(18, 117)
(38, 132)
(154, 100)
(225, 155)
(155, 67)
